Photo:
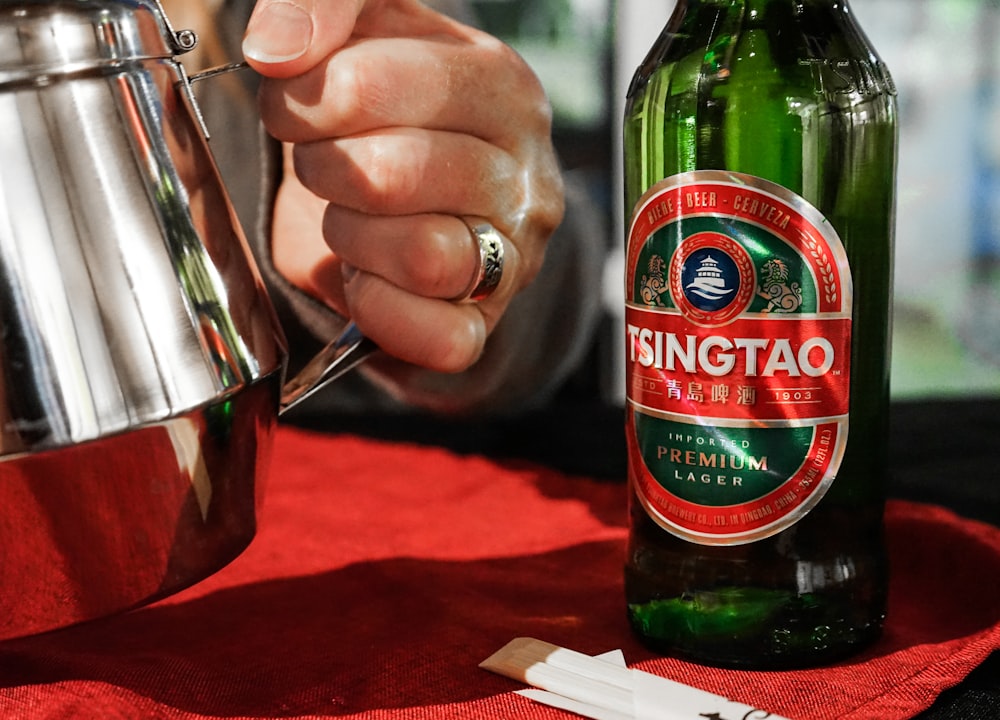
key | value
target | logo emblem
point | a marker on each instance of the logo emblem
(712, 279)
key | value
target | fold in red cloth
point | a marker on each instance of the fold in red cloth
(384, 573)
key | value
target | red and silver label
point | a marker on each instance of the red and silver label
(738, 331)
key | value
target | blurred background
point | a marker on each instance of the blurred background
(945, 59)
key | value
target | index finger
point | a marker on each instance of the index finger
(433, 83)
(285, 38)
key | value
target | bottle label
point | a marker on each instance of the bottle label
(738, 330)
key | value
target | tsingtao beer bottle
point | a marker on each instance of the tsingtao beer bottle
(760, 159)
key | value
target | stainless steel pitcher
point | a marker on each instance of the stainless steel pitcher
(141, 366)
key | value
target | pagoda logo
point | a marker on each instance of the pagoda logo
(709, 284)
(712, 279)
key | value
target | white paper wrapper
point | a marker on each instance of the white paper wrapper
(603, 688)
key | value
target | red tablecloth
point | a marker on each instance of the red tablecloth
(384, 573)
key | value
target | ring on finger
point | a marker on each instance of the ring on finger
(489, 268)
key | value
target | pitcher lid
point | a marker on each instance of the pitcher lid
(40, 39)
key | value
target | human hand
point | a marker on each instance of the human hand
(399, 122)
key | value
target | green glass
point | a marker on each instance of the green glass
(793, 92)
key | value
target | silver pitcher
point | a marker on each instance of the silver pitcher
(141, 366)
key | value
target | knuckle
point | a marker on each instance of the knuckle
(367, 174)
(389, 177)
(539, 227)
(530, 266)
(430, 263)
(525, 84)
(324, 102)
(362, 87)
(344, 90)
(287, 107)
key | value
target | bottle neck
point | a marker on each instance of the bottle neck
(758, 13)
(762, 5)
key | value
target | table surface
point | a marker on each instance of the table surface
(350, 604)
(942, 453)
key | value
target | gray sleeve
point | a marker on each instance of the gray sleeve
(539, 342)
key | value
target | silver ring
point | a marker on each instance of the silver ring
(489, 271)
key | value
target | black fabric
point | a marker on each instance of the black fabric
(944, 452)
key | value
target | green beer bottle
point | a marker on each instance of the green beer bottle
(760, 158)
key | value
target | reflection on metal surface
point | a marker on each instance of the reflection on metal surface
(107, 525)
(344, 353)
(127, 292)
(185, 438)
(141, 365)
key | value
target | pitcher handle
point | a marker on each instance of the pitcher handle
(344, 352)
(340, 356)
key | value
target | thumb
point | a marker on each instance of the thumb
(285, 38)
